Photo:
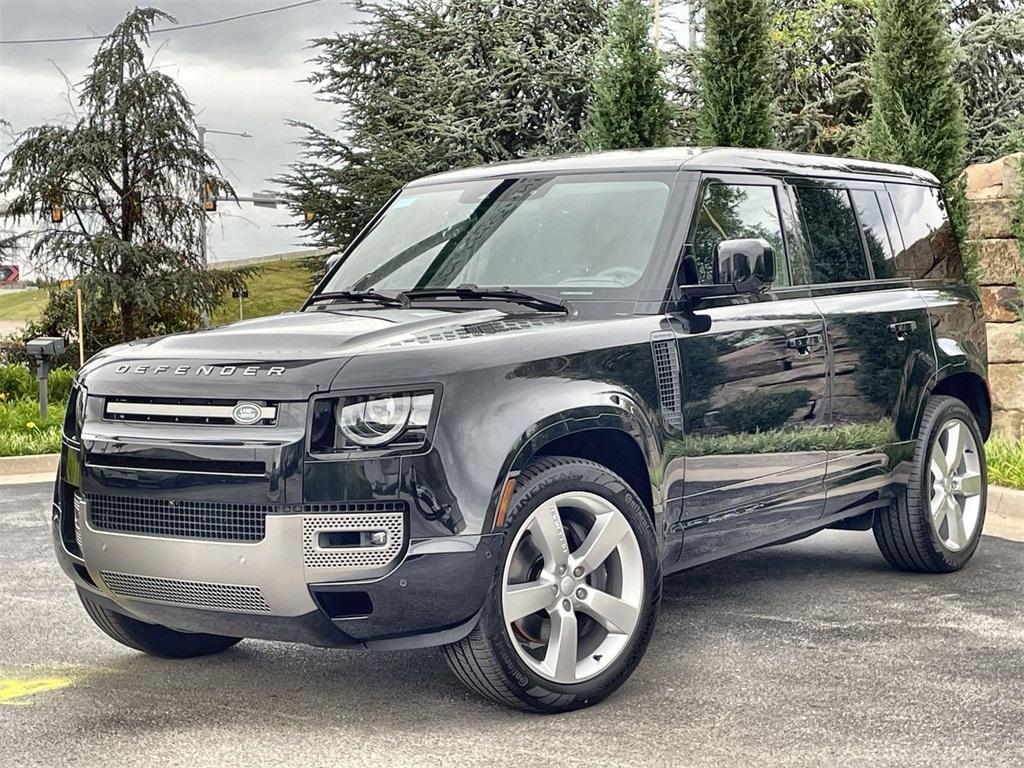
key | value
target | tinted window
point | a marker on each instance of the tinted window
(831, 228)
(929, 245)
(869, 212)
(733, 212)
(576, 232)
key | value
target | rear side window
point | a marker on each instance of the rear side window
(876, 235)
(835, 248)
(733, 212)
(929, 245)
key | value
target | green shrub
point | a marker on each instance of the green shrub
(16, 381)
(58, 384)
(24, 433)
(1005, 462)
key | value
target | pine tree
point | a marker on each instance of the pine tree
(628, 109)
(736, 69)
(428, 85)
(917, 114)
(127, 177)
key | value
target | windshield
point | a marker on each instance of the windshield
(573, 235)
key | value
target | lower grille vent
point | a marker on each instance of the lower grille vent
(213, 520)
(196, 594)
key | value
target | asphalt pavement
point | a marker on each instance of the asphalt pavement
(809, 654)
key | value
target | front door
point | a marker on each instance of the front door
(753, 388)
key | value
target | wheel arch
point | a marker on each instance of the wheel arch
(621, 437)
(972, 390)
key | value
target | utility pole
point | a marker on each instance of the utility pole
(202, 130)
(657, 24)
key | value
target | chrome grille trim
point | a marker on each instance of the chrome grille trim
(241, 598)
(182, 411)
(362, 560)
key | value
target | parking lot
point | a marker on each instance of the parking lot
(810, 654)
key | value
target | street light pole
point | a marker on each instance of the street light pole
(202, 130)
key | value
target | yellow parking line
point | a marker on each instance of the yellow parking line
(16, 688)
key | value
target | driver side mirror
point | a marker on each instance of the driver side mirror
(747, 264)
(741, 266)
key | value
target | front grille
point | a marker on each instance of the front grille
(198, 594)
(386, 516)
(183, 410)
(214, 520)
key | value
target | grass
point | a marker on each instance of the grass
(23, 433)
(1005, 462)
(22, 305)
(280, 286)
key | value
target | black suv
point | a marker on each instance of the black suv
(524, 395)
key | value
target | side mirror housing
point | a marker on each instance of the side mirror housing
(741, 266)
(747, 264)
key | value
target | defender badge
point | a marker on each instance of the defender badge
(247, 413)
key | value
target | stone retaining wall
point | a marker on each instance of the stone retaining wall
(992, 190)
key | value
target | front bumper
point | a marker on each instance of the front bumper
(285, 587)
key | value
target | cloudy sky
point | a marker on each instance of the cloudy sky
(244, 75)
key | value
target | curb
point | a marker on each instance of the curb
(13, 467)
(1005, 514)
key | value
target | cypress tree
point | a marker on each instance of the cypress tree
(736, 69)
(629, 108)
(917, 114)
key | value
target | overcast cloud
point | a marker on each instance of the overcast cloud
(244, 75)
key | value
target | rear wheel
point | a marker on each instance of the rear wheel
(572, 607)
(153, 639)
(937, 526)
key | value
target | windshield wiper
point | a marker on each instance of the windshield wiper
(469, 291)
(386, 299)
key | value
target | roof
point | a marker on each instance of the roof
(719, 159)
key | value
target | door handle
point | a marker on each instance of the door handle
(903, 330)
(806, 344)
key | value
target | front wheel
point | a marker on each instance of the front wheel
(572, 607)
(936, 527)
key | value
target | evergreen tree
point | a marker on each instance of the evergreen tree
(917, 113)
(429, 85)
(736, 69)
(629, 108)
(127, 177)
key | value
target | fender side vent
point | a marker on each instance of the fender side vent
(666, 366)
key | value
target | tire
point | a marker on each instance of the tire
(153, 638)
(919, 531)
(511, 663)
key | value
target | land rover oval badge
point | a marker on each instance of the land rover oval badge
(247, 413)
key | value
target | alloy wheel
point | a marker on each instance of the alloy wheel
(955, 500)
(572, 587)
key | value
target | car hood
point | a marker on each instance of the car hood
(283, 356)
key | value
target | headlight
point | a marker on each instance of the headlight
(360, 422)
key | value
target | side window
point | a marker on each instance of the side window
(836, 254)
(735, 211)
(929, 245)
(869, 212)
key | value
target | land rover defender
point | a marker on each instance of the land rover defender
(521, 397)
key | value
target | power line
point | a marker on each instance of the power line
(175, 28)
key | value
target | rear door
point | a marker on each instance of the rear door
(754, 399)
(879, 338)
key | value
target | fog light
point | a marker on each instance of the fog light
(379, 538)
